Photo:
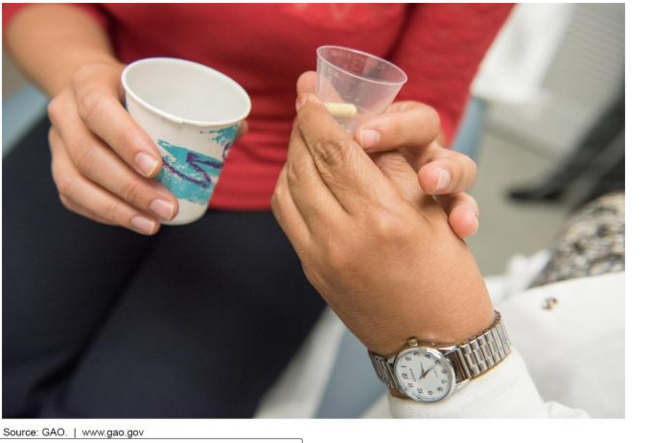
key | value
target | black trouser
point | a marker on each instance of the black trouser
(197, 321)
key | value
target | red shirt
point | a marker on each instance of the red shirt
(265, 47)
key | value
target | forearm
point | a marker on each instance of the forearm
(50, 42)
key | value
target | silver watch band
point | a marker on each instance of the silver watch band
(470, 359)
(478, 355)
(384, 370)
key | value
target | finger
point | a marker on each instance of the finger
(309, 192)
(89, 199)
(73, 207)
(400, 174)
(404, 125)
(102, 112)
(348, 172)
(101, 165)
(463, 213)
(289, 217)
(307, 83)
(448, 172)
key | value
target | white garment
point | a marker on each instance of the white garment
(505, 392)
(574, 356)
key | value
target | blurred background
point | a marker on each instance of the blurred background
(548, 82)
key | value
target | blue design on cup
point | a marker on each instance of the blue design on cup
(189, 175)
(224, 137)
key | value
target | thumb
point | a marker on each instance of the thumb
(307, 83)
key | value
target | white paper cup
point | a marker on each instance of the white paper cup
(192, 114)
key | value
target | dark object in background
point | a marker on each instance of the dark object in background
(600, 157)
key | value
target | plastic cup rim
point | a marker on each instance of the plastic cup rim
(175, 118)
(367, 54)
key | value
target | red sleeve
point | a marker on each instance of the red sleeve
(9, 11)
(441, 50)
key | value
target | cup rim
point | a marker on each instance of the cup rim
(176, 118)
(367, 54)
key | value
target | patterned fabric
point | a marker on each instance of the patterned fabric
(592, 242)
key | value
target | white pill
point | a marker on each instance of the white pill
(341, 110)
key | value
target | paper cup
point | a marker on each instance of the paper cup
(192, 114)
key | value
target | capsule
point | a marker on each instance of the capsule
(341, 110)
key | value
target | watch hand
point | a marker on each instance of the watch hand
(422, 373)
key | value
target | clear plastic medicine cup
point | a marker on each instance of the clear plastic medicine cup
(355, 85)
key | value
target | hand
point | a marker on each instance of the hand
(103, 163)
(375, 246)
(413, 129)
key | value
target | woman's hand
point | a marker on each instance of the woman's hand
(376, 247)
(102, 161)
(413, 129)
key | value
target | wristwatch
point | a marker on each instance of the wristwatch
(425, 372)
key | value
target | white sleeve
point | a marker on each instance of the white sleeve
(507, 391)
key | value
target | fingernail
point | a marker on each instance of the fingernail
(143, 225)
(444, 180)
(146, 163)
(369, 138)
(301, 102)
(162, 208)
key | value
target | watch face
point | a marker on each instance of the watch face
(424, 374)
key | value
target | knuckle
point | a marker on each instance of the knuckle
(398, 130)
(331, 151)
(88, 105)
(392, 161)
(275, 205)
(80, 76)
(433, 116)
(133, 191)
(386, 227)
(50, 137)
(64, 200)
(296, 171)
(124, 136)
(470, 171)
(67, 203)
(53, 108)
(434, 124)
(111, 211)
(64, 184)
(338, 256)
(84, 157)
(278, 200)
(293, 173)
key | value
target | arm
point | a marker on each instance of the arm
(50, 42)
(102, 161)
(385, 259)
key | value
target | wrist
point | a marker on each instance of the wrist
(463, 316)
